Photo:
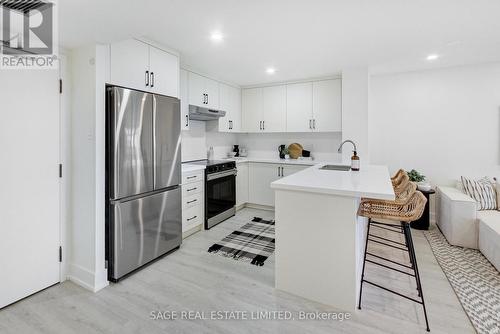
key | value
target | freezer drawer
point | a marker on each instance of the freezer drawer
(166, 141)
(130, 142)
(144, 229)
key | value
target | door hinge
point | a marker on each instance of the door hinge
(60, 170)
(60, 86)
(60, 253)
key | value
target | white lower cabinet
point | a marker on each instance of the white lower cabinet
(242, 184)
(260, 177)
(193, 201)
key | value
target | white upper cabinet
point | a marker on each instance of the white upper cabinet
(230, 102)
(203, 92)
(184, 96)
(264, 109)
(327, 106)
(274, 107)
(299, 107)
(163, 67)
(137, 65)
(129, 64)
(299, 101)
(251, 109)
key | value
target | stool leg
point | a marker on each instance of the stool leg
(364, 262)
(417, 275)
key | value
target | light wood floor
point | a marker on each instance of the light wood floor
(192, 279)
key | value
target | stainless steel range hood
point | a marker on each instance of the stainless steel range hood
(204, 114)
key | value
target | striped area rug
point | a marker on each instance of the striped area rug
(253, 242)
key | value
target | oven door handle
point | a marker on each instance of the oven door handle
(221, 174)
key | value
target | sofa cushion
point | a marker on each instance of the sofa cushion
(489, 236)
(483, 191)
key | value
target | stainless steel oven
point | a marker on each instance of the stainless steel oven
(220, 193)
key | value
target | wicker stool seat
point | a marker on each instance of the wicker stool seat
(394, 216)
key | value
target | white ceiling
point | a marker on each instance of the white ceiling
(301, 39)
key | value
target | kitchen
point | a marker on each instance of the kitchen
(195, 169)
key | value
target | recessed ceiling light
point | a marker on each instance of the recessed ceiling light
(432, 57)
(270, 70)
(216, 36)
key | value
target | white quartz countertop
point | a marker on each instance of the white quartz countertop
(187, 167)
(371, 181)
(284, 161)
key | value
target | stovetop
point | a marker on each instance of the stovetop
(214, 166)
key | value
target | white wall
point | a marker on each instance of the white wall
(200, 136)
(355, 115)
(323, 146)
(444, 123)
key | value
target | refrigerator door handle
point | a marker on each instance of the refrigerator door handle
(154, 142)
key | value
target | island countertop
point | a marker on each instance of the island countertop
(371, 181)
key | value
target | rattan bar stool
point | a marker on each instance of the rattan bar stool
(398, 174)
(394, 214)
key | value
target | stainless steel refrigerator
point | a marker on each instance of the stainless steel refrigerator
(143, 176)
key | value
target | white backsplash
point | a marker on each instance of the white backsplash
(202, 135)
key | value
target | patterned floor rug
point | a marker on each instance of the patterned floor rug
(253, 242)
(474, 279)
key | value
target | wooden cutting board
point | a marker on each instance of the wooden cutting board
(295, 150)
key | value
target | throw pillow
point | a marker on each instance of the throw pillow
(482, 191)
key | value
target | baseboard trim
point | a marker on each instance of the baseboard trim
(192, 231)
(259, 207)
(85, 278)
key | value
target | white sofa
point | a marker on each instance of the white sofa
(463, 225)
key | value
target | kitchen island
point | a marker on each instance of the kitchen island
(319, 237)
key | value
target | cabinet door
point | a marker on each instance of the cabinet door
(327, 105)
(236, 112)
(261, 175)
(164, 69)
(212, 91)
(251, 109)
(225, 104)
(184, 94)
(274, 107)
(129, 61)
(242, 184)
(196, 84)
(299, 107)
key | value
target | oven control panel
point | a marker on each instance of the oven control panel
(221, 167)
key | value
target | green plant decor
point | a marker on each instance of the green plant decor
(415, 176)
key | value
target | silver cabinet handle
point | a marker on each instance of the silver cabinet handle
(189, 219)
(314, 124)
(187, 120)
(263, 125)
(192, 189)
(152, 79)
(310, 124)
(282, 171)
(194, 200)
(147, 78)
(279, 171)
(191, 177)
(260, 125)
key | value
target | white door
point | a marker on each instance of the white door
(299, 107)
(184, 96)
(242, 184)
(164, 69)
(261, 175)
(29, 195)
(225, 105)
(197, 94)
(327, 106)
(212, 91)
(274, 106)
(251, 110)
(129, 62)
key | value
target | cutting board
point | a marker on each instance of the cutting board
(295, 150)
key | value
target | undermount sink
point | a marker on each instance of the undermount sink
(336, 167)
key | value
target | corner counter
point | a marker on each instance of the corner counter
(319, 237)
